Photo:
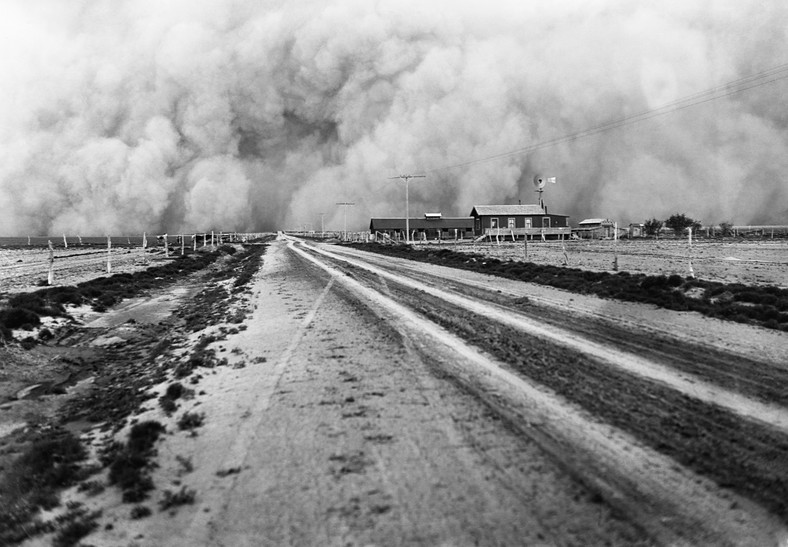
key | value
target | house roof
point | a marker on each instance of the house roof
(494, 210)
(595, 221)
(421, 223)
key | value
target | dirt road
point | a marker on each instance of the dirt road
(371, 401)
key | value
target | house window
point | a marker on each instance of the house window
(527, 222)
(510, 223)
(493, 223)
(545, 222)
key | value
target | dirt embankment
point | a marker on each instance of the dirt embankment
(94, 369)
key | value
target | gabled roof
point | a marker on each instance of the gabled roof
(494, 210)
(595, 221)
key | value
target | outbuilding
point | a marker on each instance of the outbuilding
(595, 228)
(519, 221)
(637, 230)
(430, 226)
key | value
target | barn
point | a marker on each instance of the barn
(430, 226)
(519, 221)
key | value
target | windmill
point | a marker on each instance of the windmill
(540, 182)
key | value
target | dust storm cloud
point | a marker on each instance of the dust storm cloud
(123, 116)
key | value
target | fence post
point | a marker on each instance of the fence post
(51, 275)
(109, 254)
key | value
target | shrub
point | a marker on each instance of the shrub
(182, 370)
(139, 512)
(93, 488)
(168, 405)
(654, 281)
(16, 318)
(75, 525)
(176, 390)
(182, 497)
(50, 463)
(675, 280)
(65, 295)
(129, 463)
(190, 420)
(28, 301)
(31, 483)
(28, 343)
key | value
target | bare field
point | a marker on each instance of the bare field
(25, 269)
(762, 262)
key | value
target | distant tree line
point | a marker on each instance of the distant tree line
(678, 223)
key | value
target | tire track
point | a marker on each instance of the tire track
(671, 502)
(693, 386)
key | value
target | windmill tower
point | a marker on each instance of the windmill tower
(539, 184)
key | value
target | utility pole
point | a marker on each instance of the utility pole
(322, 227)
(345, 204)
(407, 178)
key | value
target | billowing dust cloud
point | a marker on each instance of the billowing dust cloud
(185, 115)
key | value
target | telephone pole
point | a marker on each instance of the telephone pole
(322, 228)
(345, 204)
(407, 178)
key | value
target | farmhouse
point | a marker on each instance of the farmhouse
(430, 226)
(595, 228)
(519, 221)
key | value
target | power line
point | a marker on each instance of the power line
(736, 86)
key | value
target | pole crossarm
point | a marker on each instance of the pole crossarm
(407, 178)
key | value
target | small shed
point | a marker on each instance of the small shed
(519, 221)
(430, 226)
(596, 228)
(637, 230)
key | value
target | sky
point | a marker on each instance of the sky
(123, 116)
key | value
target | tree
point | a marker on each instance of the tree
(680, 222)
(652, 227)
(726, 229)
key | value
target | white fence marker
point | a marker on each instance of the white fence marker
(109, 254)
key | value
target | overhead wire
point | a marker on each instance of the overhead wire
(779, 72)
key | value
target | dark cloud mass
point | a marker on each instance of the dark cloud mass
(122, 116)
